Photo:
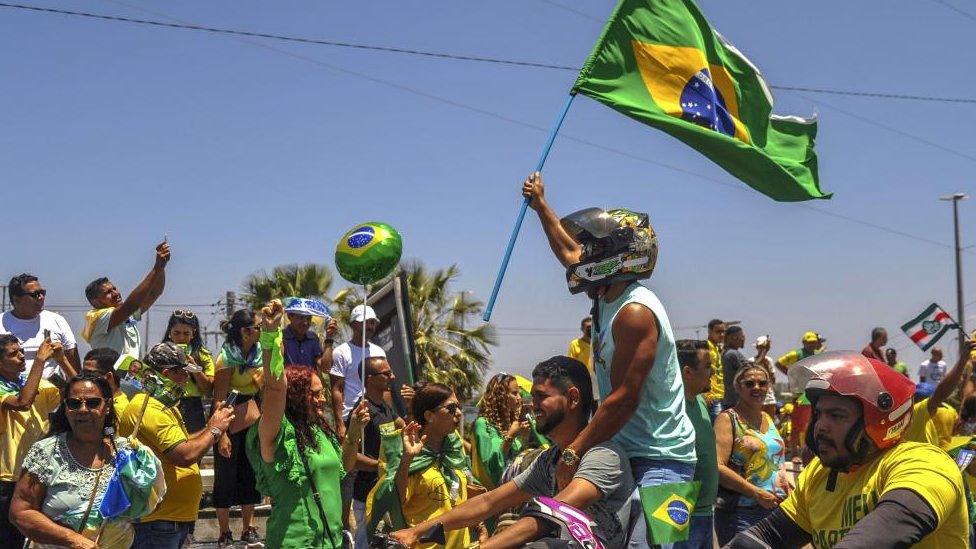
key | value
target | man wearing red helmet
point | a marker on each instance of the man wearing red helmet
(866, 487)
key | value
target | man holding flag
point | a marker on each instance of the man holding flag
(641, 393)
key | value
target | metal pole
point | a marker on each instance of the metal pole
(960, 313)
(521, 215)
(959, 302)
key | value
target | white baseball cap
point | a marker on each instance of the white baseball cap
(358, 315)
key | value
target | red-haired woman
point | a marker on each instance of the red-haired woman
(297, 458)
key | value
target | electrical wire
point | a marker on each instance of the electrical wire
(452, 56)
(248, 38)
(965, 14)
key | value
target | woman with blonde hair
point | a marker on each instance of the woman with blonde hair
(750, 457)
(499, 432)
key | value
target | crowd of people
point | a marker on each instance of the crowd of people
(855, 454)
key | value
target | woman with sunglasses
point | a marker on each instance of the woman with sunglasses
(750, 457)
(433, 474)
(183, 329)
(65, 476)
(238, 368)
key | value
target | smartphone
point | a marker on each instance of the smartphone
(232, 398)
(47, 334)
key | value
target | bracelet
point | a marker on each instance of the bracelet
(217, 433)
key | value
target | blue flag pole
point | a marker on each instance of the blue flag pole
(525, 207)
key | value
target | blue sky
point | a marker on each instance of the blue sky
(251, 153)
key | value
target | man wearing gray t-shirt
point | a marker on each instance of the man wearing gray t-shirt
(562, 399)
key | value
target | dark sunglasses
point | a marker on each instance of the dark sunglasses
(92, 403)
(36, 294)
(388, 373)
(184, 313)
(749, 384)
(451, 408)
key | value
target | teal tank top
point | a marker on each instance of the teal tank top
(660, 428)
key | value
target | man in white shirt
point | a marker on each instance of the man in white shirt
(347, 359)
(933, 369)
(28, 321)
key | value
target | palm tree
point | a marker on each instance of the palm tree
(449, 349)
(312, 280)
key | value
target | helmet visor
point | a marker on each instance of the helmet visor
(846, 372)
(589, 222)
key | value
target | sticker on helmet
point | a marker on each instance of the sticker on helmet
(896, 429)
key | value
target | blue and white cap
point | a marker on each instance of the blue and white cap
(307, 307)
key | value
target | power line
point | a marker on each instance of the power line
(518, 122)
(965, 14)
(452, 56)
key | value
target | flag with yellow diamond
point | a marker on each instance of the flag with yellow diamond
(659, 62)
(667, 510)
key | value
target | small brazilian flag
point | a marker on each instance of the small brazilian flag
(667, 510)
(659, 62)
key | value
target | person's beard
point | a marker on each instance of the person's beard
(552, 420)
(837, 462)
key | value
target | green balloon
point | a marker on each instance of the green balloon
(368, 252)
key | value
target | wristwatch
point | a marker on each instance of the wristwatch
(570, 457)
(217, 433)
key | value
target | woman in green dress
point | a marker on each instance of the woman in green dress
(294, 451)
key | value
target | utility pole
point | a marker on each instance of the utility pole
(4, 306)
(230, 302)
(145, 340)
(960, 313)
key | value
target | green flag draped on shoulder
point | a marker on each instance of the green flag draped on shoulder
(659, 62)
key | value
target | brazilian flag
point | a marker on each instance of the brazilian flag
(667, 510)
(659, 62)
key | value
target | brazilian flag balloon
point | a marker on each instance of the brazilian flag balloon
(368, 253)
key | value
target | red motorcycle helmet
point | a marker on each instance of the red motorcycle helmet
(884, 394)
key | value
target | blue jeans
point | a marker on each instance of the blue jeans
(699, 534)
(652, 472)
(729, 522)
(160, 534)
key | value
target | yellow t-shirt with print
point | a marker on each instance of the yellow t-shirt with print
(581, 351)
(935, 430)
(161, 429)
(20, 429)
(716, 389)
(921, 468)
(428, 496)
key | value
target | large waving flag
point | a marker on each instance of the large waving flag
(659, 62)
(928, 328)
